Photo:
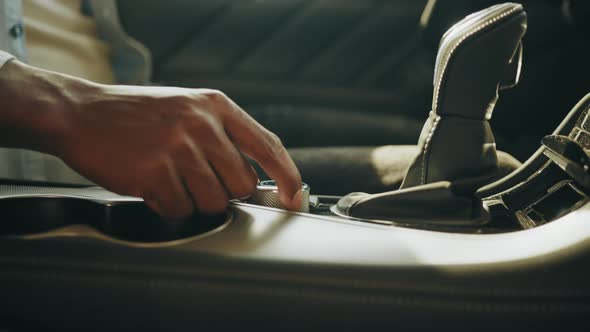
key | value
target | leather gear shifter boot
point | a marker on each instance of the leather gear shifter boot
(477, 56)
(474, 56)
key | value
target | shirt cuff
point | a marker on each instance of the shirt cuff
(4, 58)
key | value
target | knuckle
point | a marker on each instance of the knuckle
(215, 102)
(182, 148)
(175, 141)
(275, 142)
(273, 147)
(214, 96)
(204, 125)
(151, 169)
(174, 110)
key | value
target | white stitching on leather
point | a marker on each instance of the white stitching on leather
(453, 47)
(426, 144)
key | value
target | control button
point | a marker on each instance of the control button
(570, 157)
(17, 30)
(267, 194)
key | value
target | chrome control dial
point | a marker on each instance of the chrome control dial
(267, 194)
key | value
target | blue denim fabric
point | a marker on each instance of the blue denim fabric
(131, 65)
(12, 36)
(130, 59)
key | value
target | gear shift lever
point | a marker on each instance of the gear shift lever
(477, 56)
(457, 141)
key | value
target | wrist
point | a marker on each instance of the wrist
(39, 108)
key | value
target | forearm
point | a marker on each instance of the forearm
(34, 107)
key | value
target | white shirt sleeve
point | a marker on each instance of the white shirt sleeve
(4, 58)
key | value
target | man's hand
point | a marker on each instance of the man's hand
(179, 149)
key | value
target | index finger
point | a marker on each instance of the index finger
(266, 148)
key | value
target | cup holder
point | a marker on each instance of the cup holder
(33, 210)
(136, 222)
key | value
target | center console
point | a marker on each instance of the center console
(455, 246)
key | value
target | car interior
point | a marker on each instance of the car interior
(444, 148)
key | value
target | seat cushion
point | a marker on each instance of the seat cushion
(341, 170)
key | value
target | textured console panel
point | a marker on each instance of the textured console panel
(35, 209)
(98, 193)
